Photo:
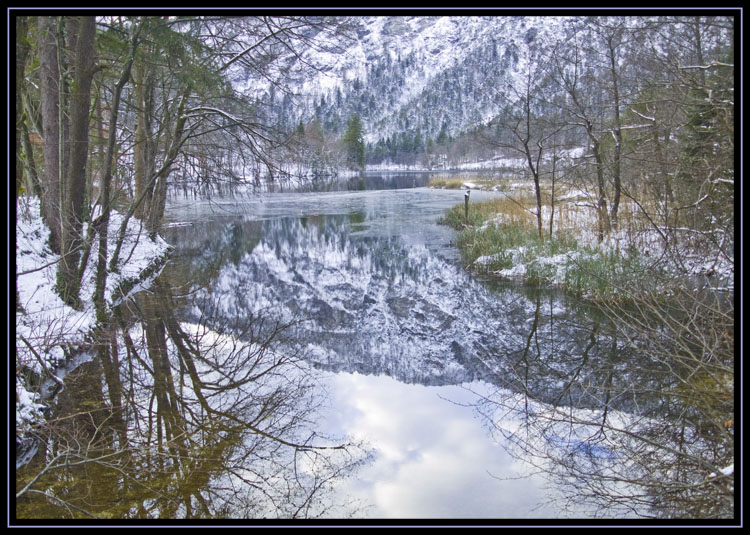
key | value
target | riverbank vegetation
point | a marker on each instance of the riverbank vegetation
(624, 163)
(499, 238)
(670, 299)
(468, 182)
(641, 222)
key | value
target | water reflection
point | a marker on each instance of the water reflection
(174, 420)
(207, 399)
(612, 464)
(358, 302)
(432, 457)
(587, 402)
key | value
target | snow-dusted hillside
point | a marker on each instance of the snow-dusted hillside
(407, 73)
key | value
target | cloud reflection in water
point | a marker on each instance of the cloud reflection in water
(433, 458)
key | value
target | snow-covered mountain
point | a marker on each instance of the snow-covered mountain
(414, 73)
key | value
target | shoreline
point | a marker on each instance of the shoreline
(50, 335)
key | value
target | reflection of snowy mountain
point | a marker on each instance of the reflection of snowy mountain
(367, 305)
(376, 306)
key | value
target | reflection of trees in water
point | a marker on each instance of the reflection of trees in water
(661, 460)
(629, 421)
(378, 305)
(177, 421)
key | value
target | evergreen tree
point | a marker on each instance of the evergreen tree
(418, 144)
(354, 142)
(442, 138)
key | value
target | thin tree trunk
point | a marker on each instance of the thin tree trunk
(161, 175)
(106, 180)
(538, 193)
(22, 52)
(139, 146)
(552, 195)
(529, 159)
(160, 185)
(601, 205)
(616, 163)
(32, 176)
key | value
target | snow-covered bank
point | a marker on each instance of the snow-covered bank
(647, 242)
(46, 328)
(502, 242)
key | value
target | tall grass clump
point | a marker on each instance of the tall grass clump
(496, 184)
(602, 275)
(503, 209)
(499, 237)
(445, 183)
(495, 247)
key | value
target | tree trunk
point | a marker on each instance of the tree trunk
(106, 180)
(158, 202)
(538, 192)
(141, 137)
(22, 52)
(552, 194)
(49, 74)
(75, 176)
(601, 205)
(617, 132)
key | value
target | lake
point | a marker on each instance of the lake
(324, 354)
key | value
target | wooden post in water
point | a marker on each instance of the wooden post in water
(466, 205)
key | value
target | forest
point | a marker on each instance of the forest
(628, 119)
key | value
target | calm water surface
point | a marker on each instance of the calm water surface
(415, 346)
(450, 389)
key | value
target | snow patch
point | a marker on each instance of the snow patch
(47, 328)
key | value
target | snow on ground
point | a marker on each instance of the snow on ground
(47, 326)
(580, 220)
